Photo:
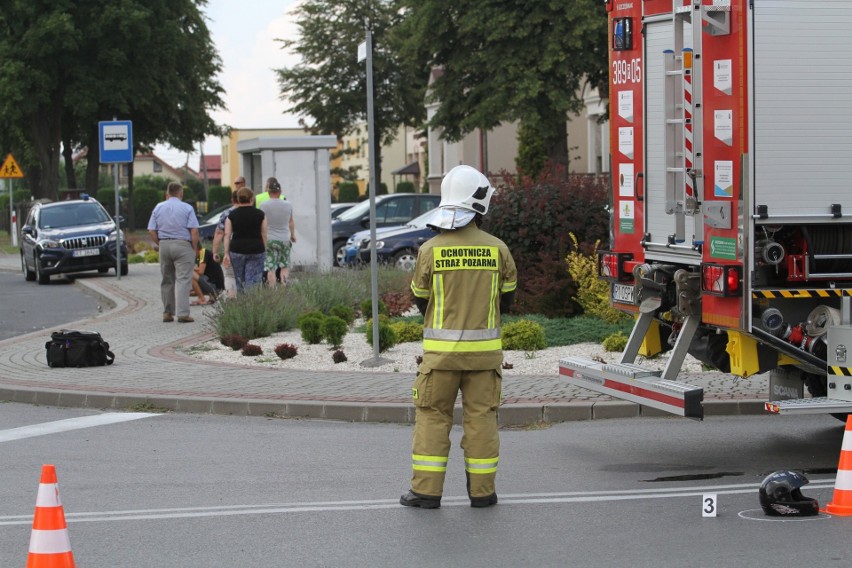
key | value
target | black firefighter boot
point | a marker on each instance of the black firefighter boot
(412, 499)
(480, 502)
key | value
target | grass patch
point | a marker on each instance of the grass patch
(6, 243)
(570, 331)
(258, 312)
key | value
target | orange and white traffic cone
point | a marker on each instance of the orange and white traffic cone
(841, 502)
(50, 546)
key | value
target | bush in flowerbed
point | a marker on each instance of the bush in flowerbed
(151, 257)
(321, 291)
(257, 312)
(252, 350)
(234, 341)
(523, 335)
(396, 303)
(286, 351)
(534, 217)
(334, 330)
(339, 357)
(387, 336)
(592, 292)
(407, 331)
(345, 313)
(135, 259)
(615, 342)
(367, 308)
(310, 326)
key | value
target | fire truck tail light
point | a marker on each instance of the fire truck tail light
(611, 265)
(721, 280)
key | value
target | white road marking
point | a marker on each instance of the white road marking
(70, 424)
(369, 505)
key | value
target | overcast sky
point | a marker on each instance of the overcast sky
(244, 32)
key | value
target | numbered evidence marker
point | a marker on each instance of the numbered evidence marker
(709, 505)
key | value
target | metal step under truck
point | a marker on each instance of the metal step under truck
(731, 160)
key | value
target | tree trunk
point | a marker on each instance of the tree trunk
(68, 155)
(45, 131)
(131, 211)
(93, 162)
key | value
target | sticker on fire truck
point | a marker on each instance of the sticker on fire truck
(722, 75)
(724, 186)
(723, 126)
(625, 141)
(625, 217)
(625, 105)
(625, 180)
(722, 247)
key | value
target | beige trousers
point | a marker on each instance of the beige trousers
(435, 393)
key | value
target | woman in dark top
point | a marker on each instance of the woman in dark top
(245, 241)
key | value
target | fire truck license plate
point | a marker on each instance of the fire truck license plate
(622, 293)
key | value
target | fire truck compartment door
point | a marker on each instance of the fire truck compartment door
(802, 107)
(660, 221)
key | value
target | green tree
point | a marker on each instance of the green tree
(65, 65)
(512, 60)
(329, 85)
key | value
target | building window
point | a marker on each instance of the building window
(158, 167)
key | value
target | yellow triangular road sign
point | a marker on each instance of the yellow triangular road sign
(10, 168)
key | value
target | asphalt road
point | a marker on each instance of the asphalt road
(27, 306)
(183, 490)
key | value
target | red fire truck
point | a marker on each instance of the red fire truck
(731, 159)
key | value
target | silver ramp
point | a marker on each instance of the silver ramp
(634, 383)
(818, 405)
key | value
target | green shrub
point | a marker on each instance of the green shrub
(334, 330)
(387, 336)
(383, 189)
(345, 313)
(151, 256)
(144, 201)
(405, 187)
(135, 259)
(367, 308)
(615, 342)
(592, 292)
(407, 332)
(106, 197)
(310, 325)
(523, 335)
(348, 192)
(257, 312)
(217, 196)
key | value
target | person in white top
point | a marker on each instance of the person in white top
(281, 231)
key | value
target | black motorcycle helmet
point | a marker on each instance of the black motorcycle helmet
(781, 496)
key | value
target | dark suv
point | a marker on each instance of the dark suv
(391, 210)
(69, 236)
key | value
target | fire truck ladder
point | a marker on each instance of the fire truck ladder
(683, 119)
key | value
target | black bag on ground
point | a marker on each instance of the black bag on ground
(69, 348)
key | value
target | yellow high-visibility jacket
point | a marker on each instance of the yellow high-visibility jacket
(462, 273)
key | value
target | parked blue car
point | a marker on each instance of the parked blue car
(398, 246)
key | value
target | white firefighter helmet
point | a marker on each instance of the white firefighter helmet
(464, 193)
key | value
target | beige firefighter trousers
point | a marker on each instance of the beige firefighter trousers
(435, 393)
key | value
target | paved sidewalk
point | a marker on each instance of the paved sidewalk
(150, 372)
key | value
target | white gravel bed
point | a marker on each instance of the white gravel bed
(402, 357)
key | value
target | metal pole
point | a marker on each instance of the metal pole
(13, 225)
(371, 136)
(117, 227)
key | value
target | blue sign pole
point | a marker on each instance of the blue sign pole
(116, 147)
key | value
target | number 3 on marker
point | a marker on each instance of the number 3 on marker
(708, 505)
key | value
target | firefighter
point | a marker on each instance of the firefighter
(463, 280)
